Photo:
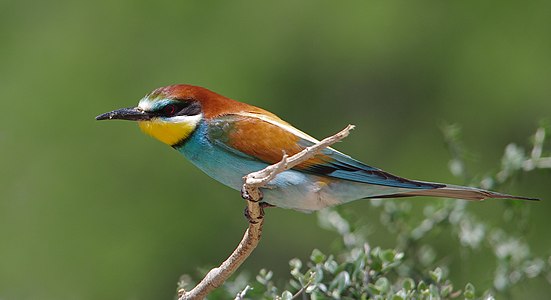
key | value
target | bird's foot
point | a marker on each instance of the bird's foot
(249, 218)
(264, 205)
(245, 195)
(252, 220)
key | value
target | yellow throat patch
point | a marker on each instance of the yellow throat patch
(169, 132)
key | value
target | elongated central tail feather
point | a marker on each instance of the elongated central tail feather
(463, 192)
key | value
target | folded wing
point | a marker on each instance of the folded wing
(264, 138)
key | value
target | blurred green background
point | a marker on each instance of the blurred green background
(92, 210)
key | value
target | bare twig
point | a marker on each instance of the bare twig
(242, 294)
(251, 188)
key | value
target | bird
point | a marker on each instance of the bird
(228, 139)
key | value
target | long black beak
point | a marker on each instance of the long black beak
(130, 113)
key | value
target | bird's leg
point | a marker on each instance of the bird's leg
(254, 198)
(247, 214)
(264, 205)
(245, 195)
(250, 218)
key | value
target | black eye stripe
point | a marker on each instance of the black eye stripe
(181, 108)
(193, 108)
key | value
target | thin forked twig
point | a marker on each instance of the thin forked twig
(251, 188)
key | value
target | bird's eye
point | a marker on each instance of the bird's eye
(169, 110)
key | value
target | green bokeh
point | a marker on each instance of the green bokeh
(93, 210)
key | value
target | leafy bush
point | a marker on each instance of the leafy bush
(413, 269)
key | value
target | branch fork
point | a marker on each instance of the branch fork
(255, 214)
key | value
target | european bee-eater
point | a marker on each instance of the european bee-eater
(228, 139)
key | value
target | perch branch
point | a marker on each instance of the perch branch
(251, 191)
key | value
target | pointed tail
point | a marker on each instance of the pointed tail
(463, 192)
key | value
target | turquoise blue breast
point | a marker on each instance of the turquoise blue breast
(225, 166)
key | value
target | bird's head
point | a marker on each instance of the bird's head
(171, 114)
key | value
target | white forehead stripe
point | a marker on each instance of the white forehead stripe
(147, 104)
